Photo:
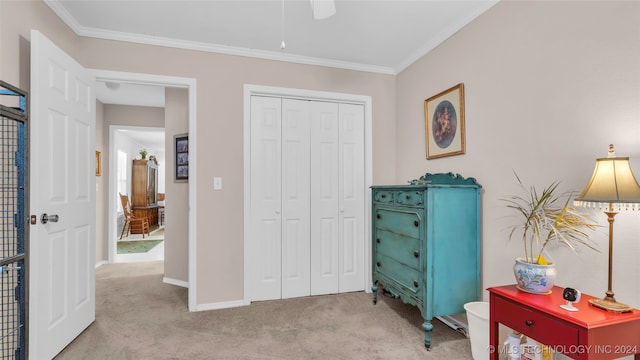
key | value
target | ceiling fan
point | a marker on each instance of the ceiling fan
(323, 9)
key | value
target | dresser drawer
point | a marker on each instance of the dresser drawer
(405, 250)
(538, 326)
(408, 278)
(383, 196)
(409, 197)
(399, 222)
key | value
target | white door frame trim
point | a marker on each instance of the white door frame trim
(171, 81)
(366, 101)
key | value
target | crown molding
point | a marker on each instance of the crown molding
(80, 30)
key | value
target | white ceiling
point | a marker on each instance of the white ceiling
(383, 36)
(130, 94)
(151, 138)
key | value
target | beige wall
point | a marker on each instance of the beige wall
(220, 80)
(127, 115)
(176, 248)
(549, 85)
(17, 18)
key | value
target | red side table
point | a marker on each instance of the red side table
(589, 333)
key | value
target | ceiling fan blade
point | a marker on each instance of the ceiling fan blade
(323, 9)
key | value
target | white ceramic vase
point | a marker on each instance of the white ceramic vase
(534, 278)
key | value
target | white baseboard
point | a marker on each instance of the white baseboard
(100, 263)
(171, 281)
(220, 305)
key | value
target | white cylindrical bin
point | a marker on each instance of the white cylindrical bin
(478, 322)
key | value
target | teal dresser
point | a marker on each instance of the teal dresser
(426, 244)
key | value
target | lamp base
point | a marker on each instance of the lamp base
(611, 305)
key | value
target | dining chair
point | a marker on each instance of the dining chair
(130, 220)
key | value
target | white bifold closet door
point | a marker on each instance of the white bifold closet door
(307, 197)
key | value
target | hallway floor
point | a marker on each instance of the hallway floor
(155, 254)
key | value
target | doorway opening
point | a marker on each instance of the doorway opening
(189, 84)
(133, 243)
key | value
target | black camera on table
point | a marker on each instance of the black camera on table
(572, 296)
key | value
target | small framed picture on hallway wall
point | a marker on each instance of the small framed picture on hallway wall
(181, 150)
(444, 122)
(98, 163)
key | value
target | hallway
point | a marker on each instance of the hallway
(155, 254)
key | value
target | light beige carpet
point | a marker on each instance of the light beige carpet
(139, 317)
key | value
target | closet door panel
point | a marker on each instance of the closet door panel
(325, 227)
(296, 235)
(351, 197)
(307, 195)
(266, 198)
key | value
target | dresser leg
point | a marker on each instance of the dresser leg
(374, 292)
(427, 327)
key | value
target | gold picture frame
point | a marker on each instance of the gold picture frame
(98, 163)
(444, 123)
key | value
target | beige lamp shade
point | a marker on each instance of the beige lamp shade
(612, 182)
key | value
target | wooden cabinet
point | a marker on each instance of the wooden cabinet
(144, 191)
(587, 334)
(426, 244)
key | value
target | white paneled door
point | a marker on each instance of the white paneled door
(296, 237)
(307, 197)
(337, 211)
(325, 214)
(62, 242)
(266, 196)
(352, 198)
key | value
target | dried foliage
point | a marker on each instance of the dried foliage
(546, 217)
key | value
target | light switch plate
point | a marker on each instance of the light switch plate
(217, 183)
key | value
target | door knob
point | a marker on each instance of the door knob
(46, 218)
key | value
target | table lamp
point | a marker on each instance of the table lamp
(612, 183)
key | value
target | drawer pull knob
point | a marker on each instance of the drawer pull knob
(378, 240)
(416, 253)
(378, 263)
(378, 216)
(383, 196)
(416, 223)
(415, 283)
(408, 197)
(528, 322)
